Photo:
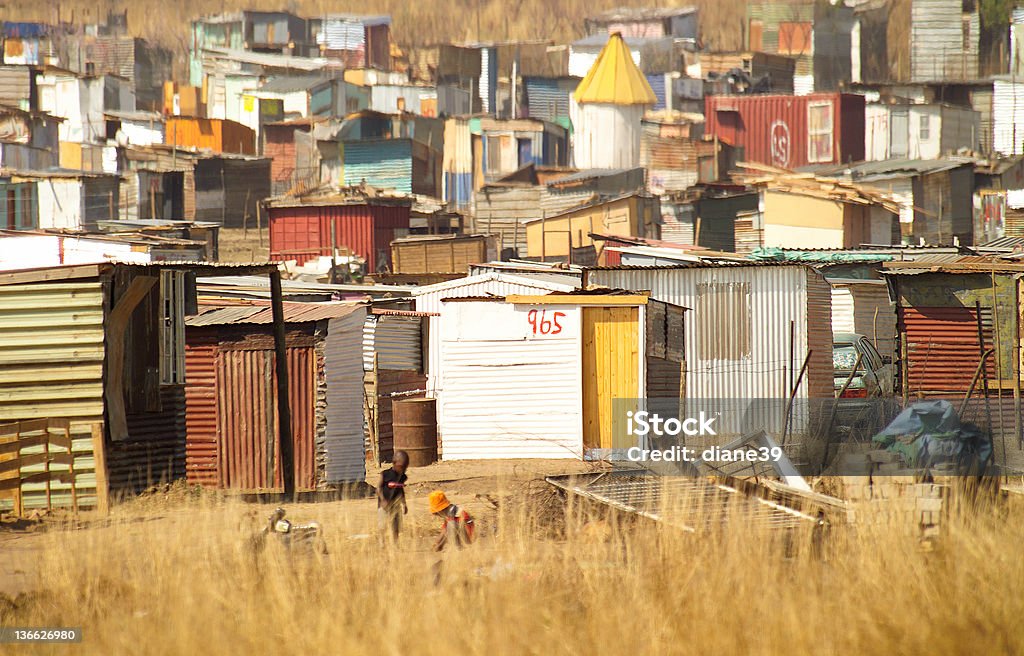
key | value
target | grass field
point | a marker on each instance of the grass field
(172, 575)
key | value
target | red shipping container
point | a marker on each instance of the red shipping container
(303, 232)
(789, 131)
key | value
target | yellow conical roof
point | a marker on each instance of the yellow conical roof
(614, 78)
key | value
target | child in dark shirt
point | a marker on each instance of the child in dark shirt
(391, 496)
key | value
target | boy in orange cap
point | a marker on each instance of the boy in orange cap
(458, 524)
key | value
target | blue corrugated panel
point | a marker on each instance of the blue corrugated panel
(547, 99)
(458, 190)
(657, 82)
(386, 164)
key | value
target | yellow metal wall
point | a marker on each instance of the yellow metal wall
(619, 218)
(51, 366)
(610, 368)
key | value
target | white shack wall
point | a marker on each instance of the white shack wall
(778, 298)
(510, 393)
(60, 203)
(428, 299)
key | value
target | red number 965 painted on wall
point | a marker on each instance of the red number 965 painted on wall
(544, 324)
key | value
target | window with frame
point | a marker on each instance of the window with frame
(820, 131)
(172, 327)
(724, 321)
(924, 127)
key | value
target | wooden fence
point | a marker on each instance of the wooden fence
(26, 445)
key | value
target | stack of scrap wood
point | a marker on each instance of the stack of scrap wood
(809, 184)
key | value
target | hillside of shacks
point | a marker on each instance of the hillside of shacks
(269, 259)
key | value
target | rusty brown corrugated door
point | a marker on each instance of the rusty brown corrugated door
(942, 348)
(247, 419)
(201, 408)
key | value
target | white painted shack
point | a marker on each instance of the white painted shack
(750, 329)
(864, 307)
(429, 298)
(552, 376)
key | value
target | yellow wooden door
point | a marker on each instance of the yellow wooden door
(610, 368)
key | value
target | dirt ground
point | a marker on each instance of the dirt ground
(240, 245)
(477, 485)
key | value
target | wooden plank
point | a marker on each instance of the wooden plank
(51, 274)
(20, 427)
(16, 446)
(579, 299)
(99, 450)
(117, 323)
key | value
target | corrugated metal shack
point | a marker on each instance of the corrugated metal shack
(429, 297)
(306, 227)
(557, 237)
(359, 41)
(402, 152)
(232, 434)
(864, 307)
(752, 328)
(819, 36)
(229, 188)
(504, 207)
(442, 253)
(789, 131)
(919, 131)
(393, 366)
(944, 38)
(676, 162)
(777, 70)
(552, 376)
(102, 346)
(214, 134)
(64, 199)
(948, 315)
(934, 197)
(506, 146)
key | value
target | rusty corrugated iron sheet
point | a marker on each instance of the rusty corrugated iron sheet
(303, 232)
(247, 419)
(201, 461)
(774, 129)
(263, 314)
(942, 348)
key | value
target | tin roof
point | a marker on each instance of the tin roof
(262, 313)
(615, 79)
(290, 83)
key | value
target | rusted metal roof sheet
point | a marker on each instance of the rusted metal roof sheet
(263, 314)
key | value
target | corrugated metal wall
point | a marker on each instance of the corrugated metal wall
(774, 129)
(1007, 117)
(395, 341)
(737, 336)
(343, 366)
(16, 86)
(155, 450)
(51, 366)
(201, 457)
(247, 419)
(385, 164)
(428, 299)
(508, 398)
(304, 233)
(547, 99)
(943, 45)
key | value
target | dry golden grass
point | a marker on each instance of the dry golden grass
(173, 580)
